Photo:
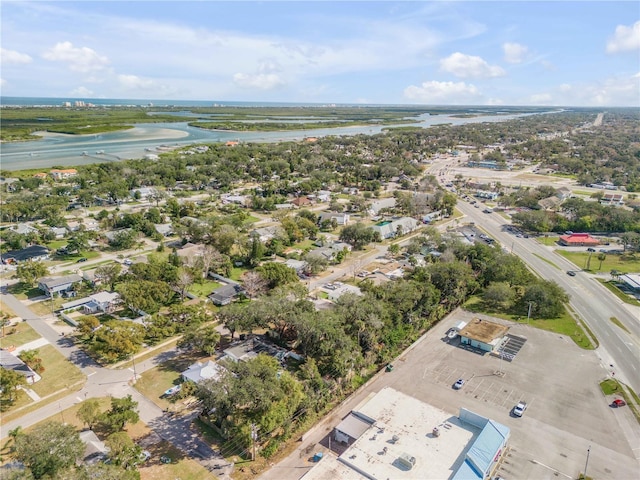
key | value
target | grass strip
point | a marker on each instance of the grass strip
(619, 293)
(547, 261)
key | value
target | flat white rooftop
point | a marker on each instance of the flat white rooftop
(411, 422)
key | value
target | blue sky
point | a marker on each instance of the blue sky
(578, 53)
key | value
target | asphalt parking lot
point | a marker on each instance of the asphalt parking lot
(567, 414)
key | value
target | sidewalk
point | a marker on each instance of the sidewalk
(40, 342)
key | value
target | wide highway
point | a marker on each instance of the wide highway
(589, 299)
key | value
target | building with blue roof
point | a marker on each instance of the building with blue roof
(486, 449)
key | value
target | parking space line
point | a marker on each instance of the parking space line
(474, 390)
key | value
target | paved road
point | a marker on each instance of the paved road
(592, 302)
(117, 383)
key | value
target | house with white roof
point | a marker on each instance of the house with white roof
(200, 371)
(340, 218)
(378, 205)
(342, 290)
(104, 302)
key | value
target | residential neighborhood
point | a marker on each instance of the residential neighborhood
(214, 324)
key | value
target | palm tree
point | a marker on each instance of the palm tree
(602, 257)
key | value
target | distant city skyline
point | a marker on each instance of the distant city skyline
(369, 52)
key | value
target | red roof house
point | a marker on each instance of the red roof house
(301, 201)
(578, 240)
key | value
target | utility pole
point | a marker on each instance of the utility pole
(587, 462)
(529, 313)
(254, 437)
(133, 360)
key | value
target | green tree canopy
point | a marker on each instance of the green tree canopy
(277, 274)
(122, 411)
(49, 449)
(29, 272)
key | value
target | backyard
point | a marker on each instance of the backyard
(203, 289)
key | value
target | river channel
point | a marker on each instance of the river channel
(153, 138)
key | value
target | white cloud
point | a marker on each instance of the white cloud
(541, 99)
(266, 77)
(3, 82)
(11, 56)
(133, 82)
(442, 92)
(261, 81)
(612, 91)
(79, 59)
(514, 52)
(465, 66)
(82, 92)
(625, 38)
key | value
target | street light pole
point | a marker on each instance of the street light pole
(529, 312)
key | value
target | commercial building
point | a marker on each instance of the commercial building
(482, 334)
(578, 240)
(395, 436)
(632, 281)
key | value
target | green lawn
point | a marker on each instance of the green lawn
(237, 272)
(23, 334)
(59, 376)
(59, 373)
(181, 466)
(43, 308)
(153, 383)
(251, 219)
(304, 245)
(548, 241)
(204, 289)
(75, 256)
(22, 291)
(611, 262)
(564, 324)
(56, 244)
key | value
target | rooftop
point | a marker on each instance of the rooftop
(483, 330)
(412, 422)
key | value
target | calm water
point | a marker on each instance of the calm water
(143, 139)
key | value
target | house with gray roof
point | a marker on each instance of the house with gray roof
(225, 294)
(378, 205)
(33, 252)
(267, 233)
(51, 285)
(397, 227)
(9, 361)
